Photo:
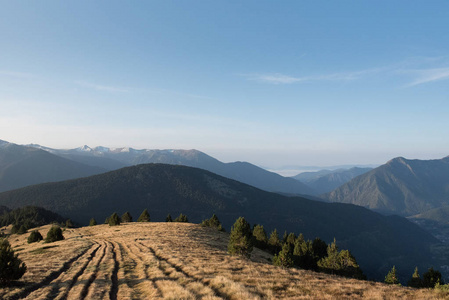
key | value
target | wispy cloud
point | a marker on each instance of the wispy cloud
(105, 88)
(278, 78)
(427, 75)
(15, 74)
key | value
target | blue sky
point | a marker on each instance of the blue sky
(270, 82)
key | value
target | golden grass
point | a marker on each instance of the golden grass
(172, 261)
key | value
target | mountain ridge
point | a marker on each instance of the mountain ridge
(116, 158)
(325, 181)
(400, 186)
(374, 239)
(21, 166)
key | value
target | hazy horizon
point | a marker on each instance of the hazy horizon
(275, 84)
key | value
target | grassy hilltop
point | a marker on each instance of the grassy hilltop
(171, 261)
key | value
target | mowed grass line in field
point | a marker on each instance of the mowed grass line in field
(172, 261)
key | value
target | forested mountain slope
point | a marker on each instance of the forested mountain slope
(377, 241)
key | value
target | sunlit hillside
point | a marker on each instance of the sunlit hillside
(171, 261)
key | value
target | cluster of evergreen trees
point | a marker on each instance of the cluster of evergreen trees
(27, 217)
(293, 250)
(213, 222)
(430, 279)
(115, 219)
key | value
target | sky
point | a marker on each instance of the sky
(274, 83)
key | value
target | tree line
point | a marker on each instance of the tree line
(316, 255)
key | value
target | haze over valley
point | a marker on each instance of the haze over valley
(224, 150)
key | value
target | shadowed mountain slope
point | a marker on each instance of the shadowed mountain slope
(21, 166)
(375, 240)
(401, 186)
(113, 159)
(325, 181)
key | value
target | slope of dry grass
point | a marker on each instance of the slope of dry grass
(172, 261)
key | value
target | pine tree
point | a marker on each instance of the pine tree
(168, 218)
(54, 234)
(330, 263)
(92, 222)
(126, 217)
(319, 248)
(260, 237)
(274, 242)
(431, 278)
(35, 236)
(341, 263)
(285, 257)
(303, 254)
(144, 216)
(11, 267)
(349, 266)
(291, 238)
(114, 220)
(284, 237)
(416, 280)
(240, 241)
(392, 277)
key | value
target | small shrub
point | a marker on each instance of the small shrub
(213, 222)
(34, 237)
(69, 224)
(182, 218)
(54, 234)
(92, 222)
(11, 267)
(14, 229)
(23, 229)
(168, 218)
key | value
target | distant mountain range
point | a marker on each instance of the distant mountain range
(401, 186)
(22, 166)
(324, 181)
(377, 241)
(115, 158)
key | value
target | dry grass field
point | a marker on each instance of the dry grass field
(171, 261)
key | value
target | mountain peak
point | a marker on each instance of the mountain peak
(85, 148)
(400, 159)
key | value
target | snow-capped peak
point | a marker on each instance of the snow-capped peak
(85, 148)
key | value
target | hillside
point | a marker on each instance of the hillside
(29, 216)
(377, 241)
(401, 186)
(172, 261)
(22, 166)
(113, 159)
(325, 181)
(438, 215)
